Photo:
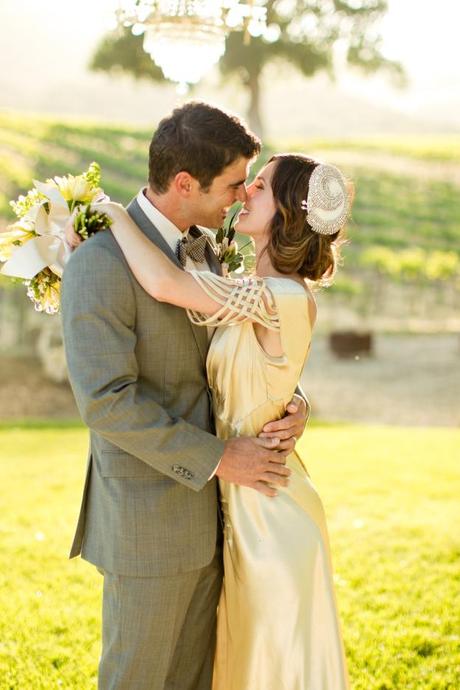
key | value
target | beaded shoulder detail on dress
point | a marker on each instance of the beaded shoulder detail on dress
(241, 299)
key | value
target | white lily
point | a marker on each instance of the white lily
(14, 236)
(47, 248)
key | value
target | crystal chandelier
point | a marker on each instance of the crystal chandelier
(187, 37)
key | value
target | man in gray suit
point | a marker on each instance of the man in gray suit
(149, 514)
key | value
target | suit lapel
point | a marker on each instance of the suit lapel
(199, 332)
(150, 230)
(213, 261)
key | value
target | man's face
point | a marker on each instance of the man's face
(211, 206)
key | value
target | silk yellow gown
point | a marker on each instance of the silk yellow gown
(278, 627)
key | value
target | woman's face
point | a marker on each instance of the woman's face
(258, 210)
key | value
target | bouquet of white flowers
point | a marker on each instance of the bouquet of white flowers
(33, 248)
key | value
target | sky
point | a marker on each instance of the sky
(45, 46)
(423, 35)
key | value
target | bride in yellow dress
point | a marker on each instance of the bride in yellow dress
(278, 627)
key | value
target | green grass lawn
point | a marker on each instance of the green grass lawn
(391, 495)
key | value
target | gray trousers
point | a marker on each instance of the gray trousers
(158, 633)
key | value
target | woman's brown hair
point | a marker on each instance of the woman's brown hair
(293, 246)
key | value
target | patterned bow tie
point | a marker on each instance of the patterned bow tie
(194, 248)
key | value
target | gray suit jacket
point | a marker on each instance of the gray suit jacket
(138, 372)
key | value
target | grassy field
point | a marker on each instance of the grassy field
(392, 500)
(390, 209)
(426, 148)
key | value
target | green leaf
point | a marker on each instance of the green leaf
(93, 175)
(220, 235)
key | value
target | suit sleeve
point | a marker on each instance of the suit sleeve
(99, 311)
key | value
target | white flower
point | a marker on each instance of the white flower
(34, 247)
(16, 235)
(46, 247)
(75, 188)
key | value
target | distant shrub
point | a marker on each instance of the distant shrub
(412, 264)
(345, 285)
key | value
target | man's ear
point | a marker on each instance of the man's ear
(184, 183)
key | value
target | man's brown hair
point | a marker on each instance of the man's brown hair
(199, 139)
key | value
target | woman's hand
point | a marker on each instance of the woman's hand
(291, 427)
(112, 209)
(71, 237)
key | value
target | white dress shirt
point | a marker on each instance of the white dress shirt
(171, 234)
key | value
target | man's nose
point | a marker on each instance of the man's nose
(250, 190)
(241, 193)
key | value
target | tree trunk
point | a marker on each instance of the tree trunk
(253, 113)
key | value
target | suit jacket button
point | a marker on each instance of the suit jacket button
(182, 472)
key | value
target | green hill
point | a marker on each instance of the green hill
(411, 201)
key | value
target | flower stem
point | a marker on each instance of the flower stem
(244, 245)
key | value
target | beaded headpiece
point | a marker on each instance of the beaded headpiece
(328, 200)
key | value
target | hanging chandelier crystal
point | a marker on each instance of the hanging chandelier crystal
(187, 37)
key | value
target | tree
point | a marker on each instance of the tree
(304, 33)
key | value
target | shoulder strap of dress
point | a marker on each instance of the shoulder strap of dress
(240, 299)
(292, 302)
